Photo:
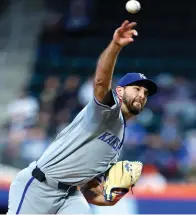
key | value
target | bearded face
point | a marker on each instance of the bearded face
(134, 98)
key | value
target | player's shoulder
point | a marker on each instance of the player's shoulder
(110, 103)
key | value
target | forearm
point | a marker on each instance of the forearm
(106, 63)
(93, 192)
(104, 70)
(97, 199)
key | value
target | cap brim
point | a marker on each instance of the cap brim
(148, 84)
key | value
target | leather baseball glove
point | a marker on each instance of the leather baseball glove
(120, 178)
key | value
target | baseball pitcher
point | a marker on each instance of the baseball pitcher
(80, 166)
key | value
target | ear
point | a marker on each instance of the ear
(120, 91)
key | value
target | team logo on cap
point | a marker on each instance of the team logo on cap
(142, 76)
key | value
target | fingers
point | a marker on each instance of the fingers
(131, 25)
(131, 39)
(133, 32)
(130, 35)
(127, 25)
(125, 33)
(129, 31)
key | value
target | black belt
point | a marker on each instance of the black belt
(40, 176)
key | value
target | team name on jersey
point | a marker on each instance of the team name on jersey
(111, 140)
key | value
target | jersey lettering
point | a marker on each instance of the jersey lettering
(111, 140)
(103, 136)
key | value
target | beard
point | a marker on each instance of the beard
(131, 106)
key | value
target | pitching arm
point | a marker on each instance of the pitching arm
(107, 61)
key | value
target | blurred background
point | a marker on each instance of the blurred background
(48, 55)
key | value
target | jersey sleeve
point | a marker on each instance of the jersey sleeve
(101, 178)
(97, 109)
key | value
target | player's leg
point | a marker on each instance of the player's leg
(16, 192)
(29, 196)
(75, 204)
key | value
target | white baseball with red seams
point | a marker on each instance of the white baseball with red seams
(133, 6)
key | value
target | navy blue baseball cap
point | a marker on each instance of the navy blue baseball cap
(138, 79)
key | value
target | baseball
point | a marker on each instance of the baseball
(133, 6)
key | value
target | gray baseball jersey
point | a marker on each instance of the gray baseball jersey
(82, 151)
(88, 146)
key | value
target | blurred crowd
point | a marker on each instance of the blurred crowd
(162, 136)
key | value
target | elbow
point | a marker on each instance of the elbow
(100, 203)
(110, 203)
(100, 90)
(100, 83)
(106, 203)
